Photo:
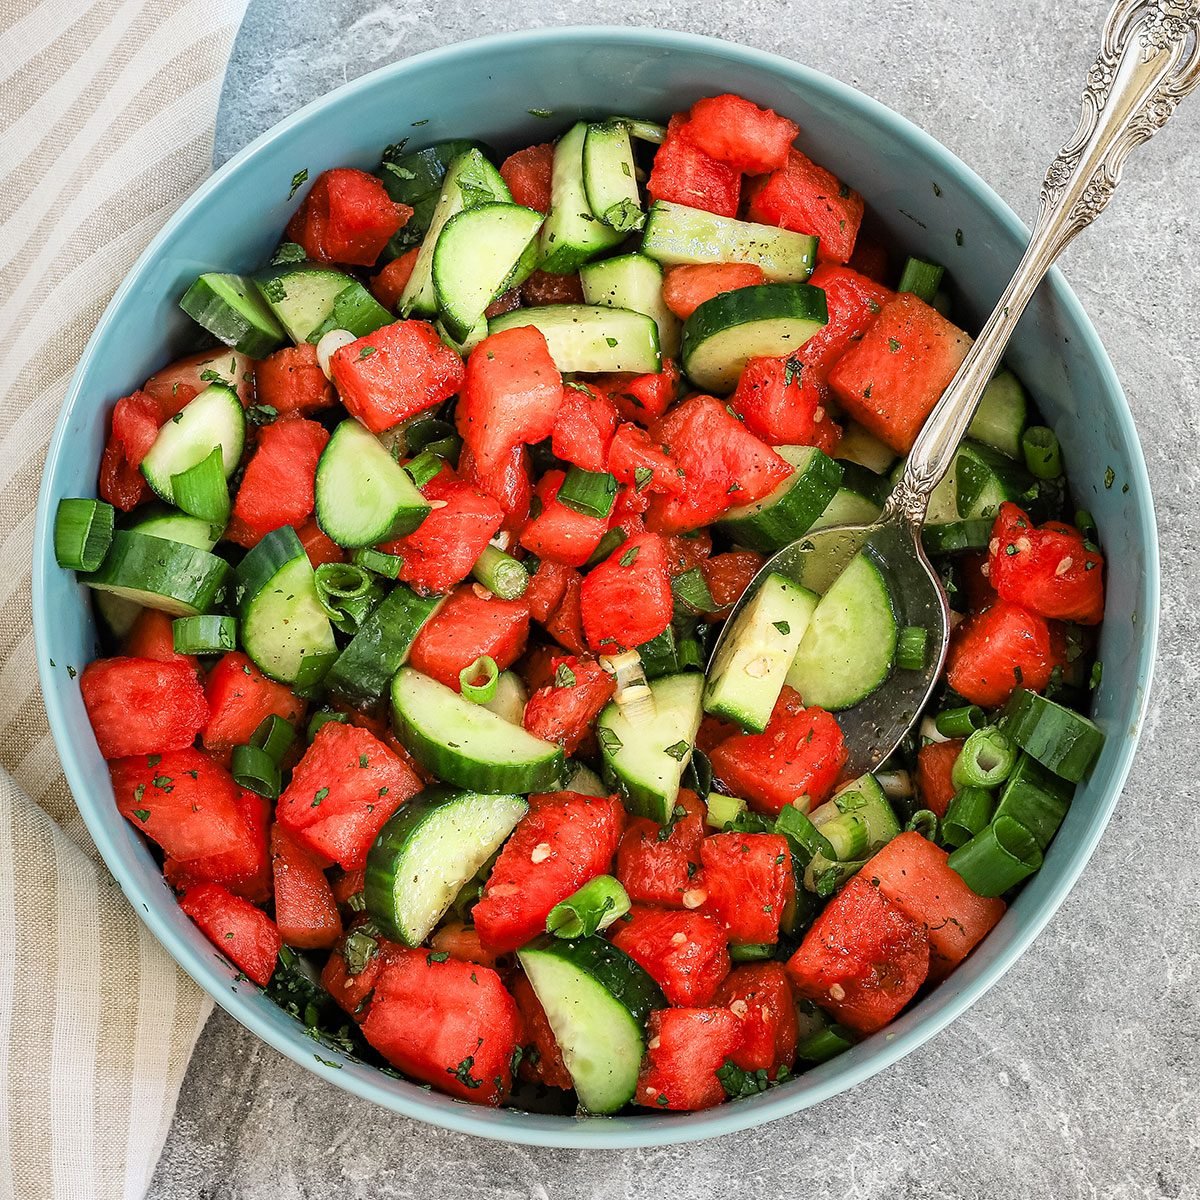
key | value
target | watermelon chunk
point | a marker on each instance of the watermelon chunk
(240, 698)
(688, 286)
(564, 711)
(745, 880)
(627, 600)
(687, 1047)
(142, 705)
(347, 217)
(891, 379)
(305, 909)
(243, 933)
(863, 959)
(655, 869)
(935, 762)
(684, 174)
(733, 130)
(994, 652)
(565, 840)
(781, 402)
(467, 626)
(853, 302)
(583, 428)
(527, 174)
(760, 996)
(683, 952)
(292, 383)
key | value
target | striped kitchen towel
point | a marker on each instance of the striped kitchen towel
(106, 118)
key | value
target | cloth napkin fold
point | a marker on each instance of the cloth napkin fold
(106, 119)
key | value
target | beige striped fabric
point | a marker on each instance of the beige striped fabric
(106, 116)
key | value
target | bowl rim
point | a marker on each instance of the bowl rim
(646, 1129)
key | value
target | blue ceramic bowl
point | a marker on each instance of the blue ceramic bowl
(929, 202)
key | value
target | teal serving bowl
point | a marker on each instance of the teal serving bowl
(927, 201)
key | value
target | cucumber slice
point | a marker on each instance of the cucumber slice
(363, 496)
(635, 282)
(510, 698)
(301, 295)
(284, 629)
(416, 180)
(771, 321)
(379, 649)
(177, 527)
(157, 573)
(865, 449)
(212, 419)
(748, 674)
(470, 180)
(645, 758)
(586, 339)
(791, 509)
(571, 234)
(465, 744)
(477, 252)
(1002, 414)
(857, 502)
(865, 800)
(955, 536)
(231, 308)
(980, 480)
(609, 179)
(426, 853)
(1062, 740)
(583, 780)
(356, 311)
(677, 234)
(850, 644)
(597, 1000)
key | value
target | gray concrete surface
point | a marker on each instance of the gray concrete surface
(1077, 1076)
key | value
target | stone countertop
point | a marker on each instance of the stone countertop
(1078, 1074)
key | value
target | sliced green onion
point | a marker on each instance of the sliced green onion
(825, 1044)
(1036, 798)
(722, 810)
(275, 736)
(997, 858)
(594, 907)
(960, 722)
(921, 278)
(202, 490)
(912, 648)
(803, 836)
(848, 834)
(925, 822)
(607, 544)
(378, 562)
(591, 493)
(691, 593)
(986, 760)
(204, 634)
(348, 594)
(83, 532)
(424, 467)
(1043, 455)
(752, 951)
(476, 690)
(1086, 524)
(448, 447)
(423, 430)
(967, 814)
(256, 771)
(322, 717)
(690, 652)
(501, 574)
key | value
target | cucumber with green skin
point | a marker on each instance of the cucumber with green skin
(478, 252)
(284, 628)
(771, 320)
(635, 282)
(678, 235)
(363, 670)
(363, 496)
(355, 310)
(645, 758)
(597, 1001)
(232, 309)
(980, 479)
(850, 645)
(858, 501)
(866, 800)
(301, 295)
(747, 676)
(1002, 414)
(590, 339)
(213, 419)
(608, 177)
(470, 180)
(428, 850)
(792, 508)
(572, 233)
(154, 572)
(159, 521)
(466, 744)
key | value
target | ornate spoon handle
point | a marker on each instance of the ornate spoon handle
(1149, 61)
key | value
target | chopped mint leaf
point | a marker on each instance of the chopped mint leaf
(298, 181)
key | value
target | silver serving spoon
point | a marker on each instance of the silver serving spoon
(1149, 60)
